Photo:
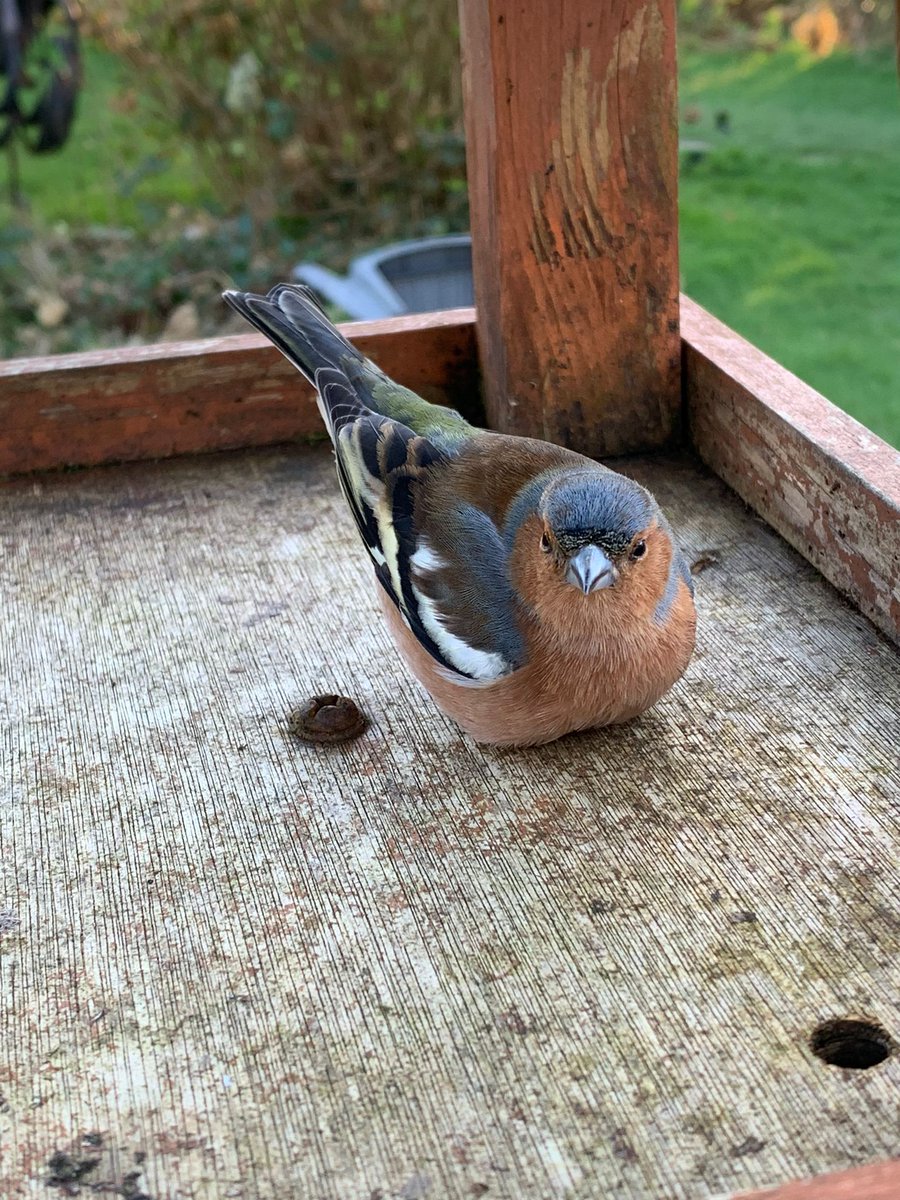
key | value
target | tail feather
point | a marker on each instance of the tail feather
(292, 318)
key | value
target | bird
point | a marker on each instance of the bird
(532, 591)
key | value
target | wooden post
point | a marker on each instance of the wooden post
(573, 158)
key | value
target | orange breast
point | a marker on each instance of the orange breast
(559, 690)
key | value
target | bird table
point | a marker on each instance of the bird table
(656, 961)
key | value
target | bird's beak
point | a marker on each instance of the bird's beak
(590, 569)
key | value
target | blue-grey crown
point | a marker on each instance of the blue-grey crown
(598, 508)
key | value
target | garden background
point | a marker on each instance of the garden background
(220, 144)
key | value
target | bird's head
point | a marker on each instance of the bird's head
(596, 542)
(597, 527)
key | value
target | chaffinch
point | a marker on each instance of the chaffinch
(531, 590)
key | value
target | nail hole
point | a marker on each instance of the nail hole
(853, 1045)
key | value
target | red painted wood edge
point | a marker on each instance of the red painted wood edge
(191, 397)
(880, 1181)
(827, 484)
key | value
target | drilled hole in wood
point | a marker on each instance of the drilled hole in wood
(854, 1045)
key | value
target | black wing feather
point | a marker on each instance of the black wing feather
(381, 462)
(393, 457)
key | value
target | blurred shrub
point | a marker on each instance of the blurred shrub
(75, 287)
(862, 24)
(299, 106)
(820, 25)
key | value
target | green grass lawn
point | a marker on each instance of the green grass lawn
(790, 227)
(115, 169)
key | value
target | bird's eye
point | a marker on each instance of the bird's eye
(545, 543)
(639, 550)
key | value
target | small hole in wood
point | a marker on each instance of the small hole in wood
(853, 1045)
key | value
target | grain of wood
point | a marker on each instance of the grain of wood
(825, 482)
(572, 162)
(406, 966)
(142, 402)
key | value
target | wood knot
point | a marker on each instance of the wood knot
(327, 719)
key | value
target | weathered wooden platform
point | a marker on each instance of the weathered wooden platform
(409, 967)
